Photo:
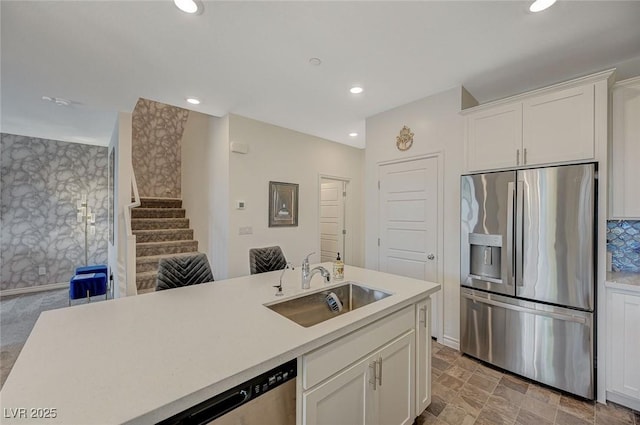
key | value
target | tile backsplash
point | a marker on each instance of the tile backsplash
(623, 241)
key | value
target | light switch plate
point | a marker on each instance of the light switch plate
(246, 230)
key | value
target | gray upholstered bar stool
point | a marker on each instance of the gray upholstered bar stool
(266, 259)
(184, 270)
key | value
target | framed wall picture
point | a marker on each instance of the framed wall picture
(283, 204)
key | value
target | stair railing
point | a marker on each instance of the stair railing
(132, 287)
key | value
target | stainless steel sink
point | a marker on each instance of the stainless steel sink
(313, 308)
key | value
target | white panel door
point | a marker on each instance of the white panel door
(332, 209)
(408, 210)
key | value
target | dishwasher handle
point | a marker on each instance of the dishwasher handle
(219, 407)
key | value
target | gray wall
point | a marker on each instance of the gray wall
(40, 182)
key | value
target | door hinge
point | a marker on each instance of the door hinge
(344, 194)
(344, 231)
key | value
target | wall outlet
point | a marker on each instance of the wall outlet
(247, 230)
(42, 270)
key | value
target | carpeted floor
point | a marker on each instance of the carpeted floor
(18, 315)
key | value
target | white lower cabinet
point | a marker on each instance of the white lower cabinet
(344, 399)
(393, 394)
(377, 375)
(423, 355)
(623, 367)
(375, 390)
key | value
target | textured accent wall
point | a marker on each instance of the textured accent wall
(623, 241)
(41, 180)
(156, 147)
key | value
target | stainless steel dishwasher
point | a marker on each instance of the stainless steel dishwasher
(268, 399)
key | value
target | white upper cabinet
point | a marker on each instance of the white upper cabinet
(494, 136)
(547, 126)
(558, 126)
(625, 158)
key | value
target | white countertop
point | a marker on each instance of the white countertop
(623, 280)
(144, 358)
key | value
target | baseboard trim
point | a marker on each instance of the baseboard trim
(624, 400)
(30, 289)
(451, 342)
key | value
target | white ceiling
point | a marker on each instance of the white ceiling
(252, 58)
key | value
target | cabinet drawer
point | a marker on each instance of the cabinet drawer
(326, 361)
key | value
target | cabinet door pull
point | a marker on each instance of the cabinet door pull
(517, 156)
(424, 321)
(374, 382)
(525, 156)
(380, 373)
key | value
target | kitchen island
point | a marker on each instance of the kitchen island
(142, 359)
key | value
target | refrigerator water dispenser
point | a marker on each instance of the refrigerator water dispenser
(485, 252)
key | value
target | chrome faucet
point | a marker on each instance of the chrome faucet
(308, 274)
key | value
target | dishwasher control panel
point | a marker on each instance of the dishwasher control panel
(274, 377)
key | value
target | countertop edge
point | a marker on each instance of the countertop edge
(219, 387)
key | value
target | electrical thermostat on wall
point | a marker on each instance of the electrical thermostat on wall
(240, 205)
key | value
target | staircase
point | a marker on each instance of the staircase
(162, 231)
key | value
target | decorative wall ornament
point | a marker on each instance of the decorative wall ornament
(283, 204)
(405, 139)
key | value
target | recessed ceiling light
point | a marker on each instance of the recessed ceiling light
(353, 134)
(187, 6)
(356, 90)
(193, 101)
(315, 61)
(540, 5)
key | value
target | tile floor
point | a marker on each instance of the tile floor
(465, 392)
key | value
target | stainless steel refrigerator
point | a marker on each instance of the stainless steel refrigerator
(527, 273)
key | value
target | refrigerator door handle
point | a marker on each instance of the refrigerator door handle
(510, 254)
(520, 188)
(559, 316)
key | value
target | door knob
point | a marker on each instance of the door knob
(431, 256)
